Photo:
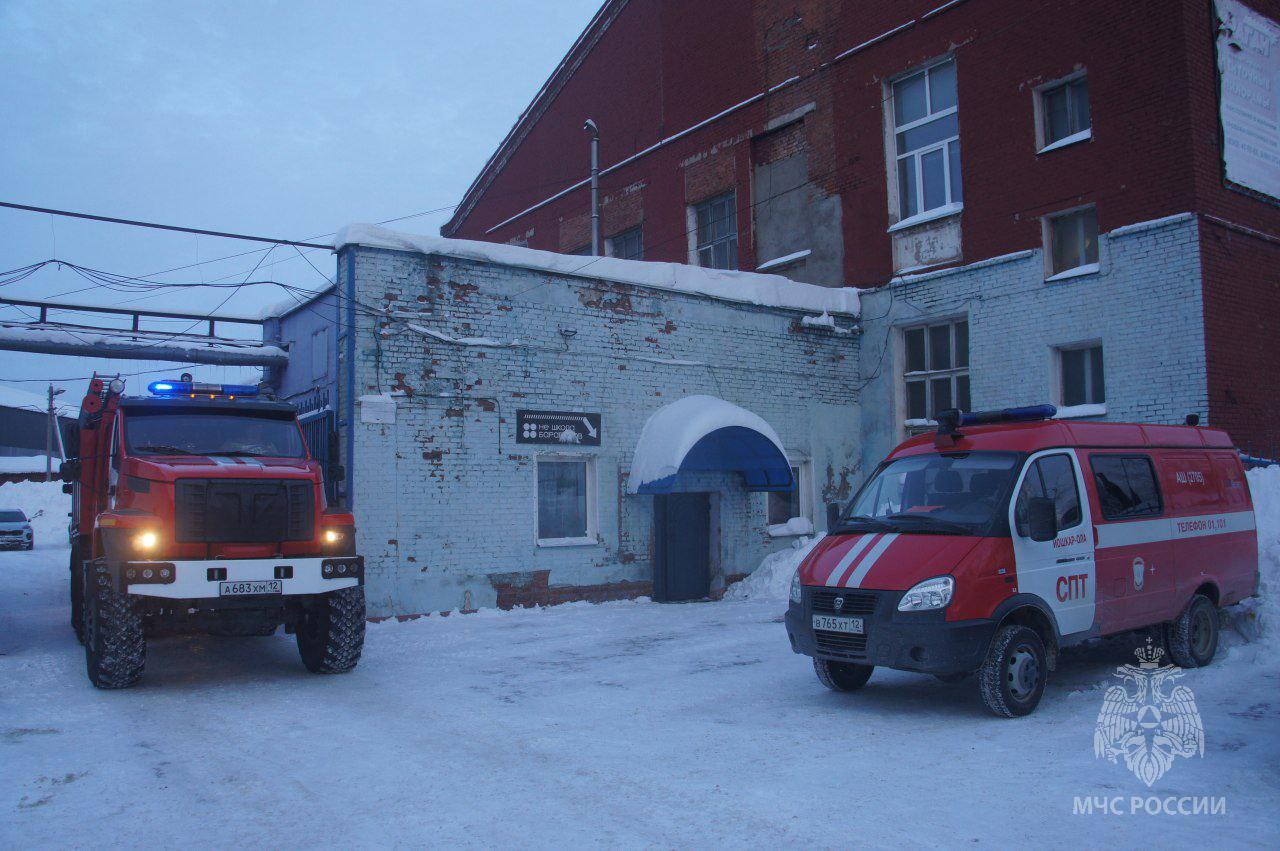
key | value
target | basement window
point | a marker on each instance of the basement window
(566, 503)
(788, 511)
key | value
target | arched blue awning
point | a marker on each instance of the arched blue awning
(703, 433)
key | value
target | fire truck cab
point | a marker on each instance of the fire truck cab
(1008, 535)
(199, 508)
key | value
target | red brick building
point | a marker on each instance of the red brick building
(850, 143)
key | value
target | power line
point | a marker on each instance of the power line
(138, 224)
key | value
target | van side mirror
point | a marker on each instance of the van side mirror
(1042, 519)
(337, 473)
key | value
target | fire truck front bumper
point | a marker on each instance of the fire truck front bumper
(254, 577)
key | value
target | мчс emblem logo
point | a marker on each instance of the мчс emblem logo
(1150, 719)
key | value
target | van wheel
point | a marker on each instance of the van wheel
(1013, 676)
(842, 676)
(1192, 637)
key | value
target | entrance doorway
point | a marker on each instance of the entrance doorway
(682, 547)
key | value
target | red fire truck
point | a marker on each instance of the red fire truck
(199, 508)
(1008, 535)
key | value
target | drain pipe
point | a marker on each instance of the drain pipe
(590, 127)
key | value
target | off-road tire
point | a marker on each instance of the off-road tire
(114, 647)
(842, 676)
(1009, 687)
(331, 635)
(77, 594)
(1192, 637)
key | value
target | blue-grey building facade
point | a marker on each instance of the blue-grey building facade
(426, 398)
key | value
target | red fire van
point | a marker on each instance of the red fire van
(1008, 535)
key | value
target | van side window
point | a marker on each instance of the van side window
(1052, 476)
(1126, 486)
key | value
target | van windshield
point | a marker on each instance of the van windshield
(964, 493)
(195, 432)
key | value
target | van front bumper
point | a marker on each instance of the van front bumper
(210, 578)
(909, 641)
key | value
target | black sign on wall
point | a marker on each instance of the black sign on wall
(558, 428)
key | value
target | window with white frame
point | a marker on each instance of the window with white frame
(1064, 112)
(937, 369)
(791, 507)
(1083, 381)
(566, 503)
(1071, 241)
(927, 140)
(628, 245)
(717, 232)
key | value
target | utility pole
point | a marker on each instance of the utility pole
(590, 127)
(48, 438)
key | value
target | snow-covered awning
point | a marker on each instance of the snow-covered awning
(706, 433)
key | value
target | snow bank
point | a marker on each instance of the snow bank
(50, 528)
(747, 287)
(772, 579)
(1258, 619)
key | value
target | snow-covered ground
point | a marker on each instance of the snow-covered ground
(627, 724)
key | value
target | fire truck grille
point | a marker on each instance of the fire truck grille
(250, 511)
(841, 643)
(854, 603)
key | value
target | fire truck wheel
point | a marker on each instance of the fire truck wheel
(1192, 638)
(77, 594)
(841, 676)
(1012, 677)
(331, 635)
(114, 647)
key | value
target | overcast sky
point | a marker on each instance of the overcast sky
(285, 119)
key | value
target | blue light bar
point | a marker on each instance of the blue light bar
(1025, 414)
(196, 388)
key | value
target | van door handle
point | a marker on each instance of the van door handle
(1070, 559)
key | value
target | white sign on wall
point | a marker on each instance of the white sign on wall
(1248, 47)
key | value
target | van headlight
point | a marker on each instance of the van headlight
(795, 586)
(931, 594)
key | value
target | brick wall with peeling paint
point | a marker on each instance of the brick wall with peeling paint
(445, 497)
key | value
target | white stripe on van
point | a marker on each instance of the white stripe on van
(853, 553)
(1173, 528)
(869, 562)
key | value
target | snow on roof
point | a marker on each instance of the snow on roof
(12, 397)
(745, 287)
(140, 345)
(290, 303)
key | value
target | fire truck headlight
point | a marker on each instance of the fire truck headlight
(334, 536)
(795, 586)
(146, 540)
(931, 594)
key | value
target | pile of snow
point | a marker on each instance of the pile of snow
(748, 287)
(1258, 619)
(45, 499)
(772, 579)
